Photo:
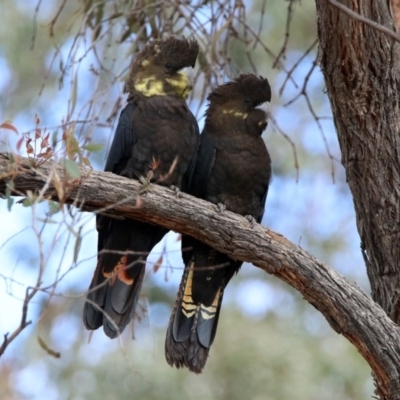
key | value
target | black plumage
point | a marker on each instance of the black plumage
(233, 170)
(156, 140)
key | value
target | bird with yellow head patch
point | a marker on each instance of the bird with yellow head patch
(156, 141)
(158, 69)
(233, 171)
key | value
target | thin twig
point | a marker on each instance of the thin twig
(54, 20)
(23, 324)
(365, 20)
(282, 51)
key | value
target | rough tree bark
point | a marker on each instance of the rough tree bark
(362, 75)
(348, 310)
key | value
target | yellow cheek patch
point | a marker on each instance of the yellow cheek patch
(235, 113)
(180, 84)
(145, 63)
(150, 86)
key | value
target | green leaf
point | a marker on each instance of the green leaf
(77, 246)
(28, 201)
(54, 138)
(54, 207)
(85, 161)
(72, 145)
(10, 202)
(74, 93)
(47, 220)
(93, 147)
(71, 167)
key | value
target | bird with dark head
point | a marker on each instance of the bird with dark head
(233, 171)
(156, 140)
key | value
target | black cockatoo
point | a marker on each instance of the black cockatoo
(233, 170)
(156, 140)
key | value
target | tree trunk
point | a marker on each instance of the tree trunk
(361, 69)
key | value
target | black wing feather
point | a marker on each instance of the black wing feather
(198, 188)
(150, 132)
(204, 165)
(125, 137)
(118, 156)
(187, 178)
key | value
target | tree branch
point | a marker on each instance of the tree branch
(346, 307)
(366, 21)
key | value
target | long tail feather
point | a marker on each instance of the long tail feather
(192, 327)
(118, 278)
(112, 298)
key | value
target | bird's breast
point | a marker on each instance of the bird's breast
(240, 174)
(166, 142)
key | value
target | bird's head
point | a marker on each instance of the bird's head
(242, 95)
(157, 69)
